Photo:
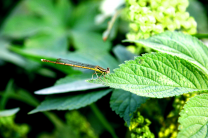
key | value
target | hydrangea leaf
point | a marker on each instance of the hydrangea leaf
(125, 103)
(179, 44)
(194, 118)
(70, 102)
(156, 75)
(9, 112)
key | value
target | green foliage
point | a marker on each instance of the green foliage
(140, 127)
(122, 53)
(47, 29)
(149, 17)
(193, 120)
(157, 75)
(80, 123)
(50, 38)
(179, 44)
(70, 102)
(125, 104)
(76, 126)
(182, 70)
(9, 129)
(170, 128)
(71, 83)
(9, 112)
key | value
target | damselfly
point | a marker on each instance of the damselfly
(71, 63)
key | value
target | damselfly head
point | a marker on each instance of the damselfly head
(108, 70)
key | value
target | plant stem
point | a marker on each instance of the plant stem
(103, 120)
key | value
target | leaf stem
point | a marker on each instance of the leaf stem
(103, 120)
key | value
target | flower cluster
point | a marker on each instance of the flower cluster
(149, 17)
(9, 129)
(139, 127)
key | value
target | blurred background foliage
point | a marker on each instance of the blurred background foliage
(34, 29)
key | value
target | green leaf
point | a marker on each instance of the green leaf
(48, 42)
(64, 10)
(71, 84)
(27, 26)
(122, 53)
(181, 45)
(9, 112)
(9, 56)
(89, 41)
(6, 93)
(73, 78)
(45, 9)
(34, 17)
(70, 102)
(196, 10)
(103, 59)
(156, 75)
(125, 103)
(201, 36)
(100, 58)
(194, 118)
(83, 16)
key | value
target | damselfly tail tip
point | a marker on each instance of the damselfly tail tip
(42, 60)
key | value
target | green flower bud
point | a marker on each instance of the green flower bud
(146, 35)
(142, 3)
(161, 135)
(146, 28)
(134, 27)
(131, 36)
(145, 10)
(158, 28)
(133, 135)
(177, 23)
(167, 132)
(174, 134)
(192, 31)
(154, 4)
(141, 20)
(193, 22)
(151, 19)
(171, 27)
(148, 122)
(170, 11)
(138, 130)
(159, 16)
(172, 126)
(132, 2)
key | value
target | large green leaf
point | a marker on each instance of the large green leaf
(157, 75)
(89, 41)
(45, 9)
(9, 112)
(70, 102)
(70, 84)
(64, 10)
(122, 53)
(47, 42)
(125, 103)
(181, 45)
(83, 16)
(194, 118)
(9, 56)
(20, 26)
